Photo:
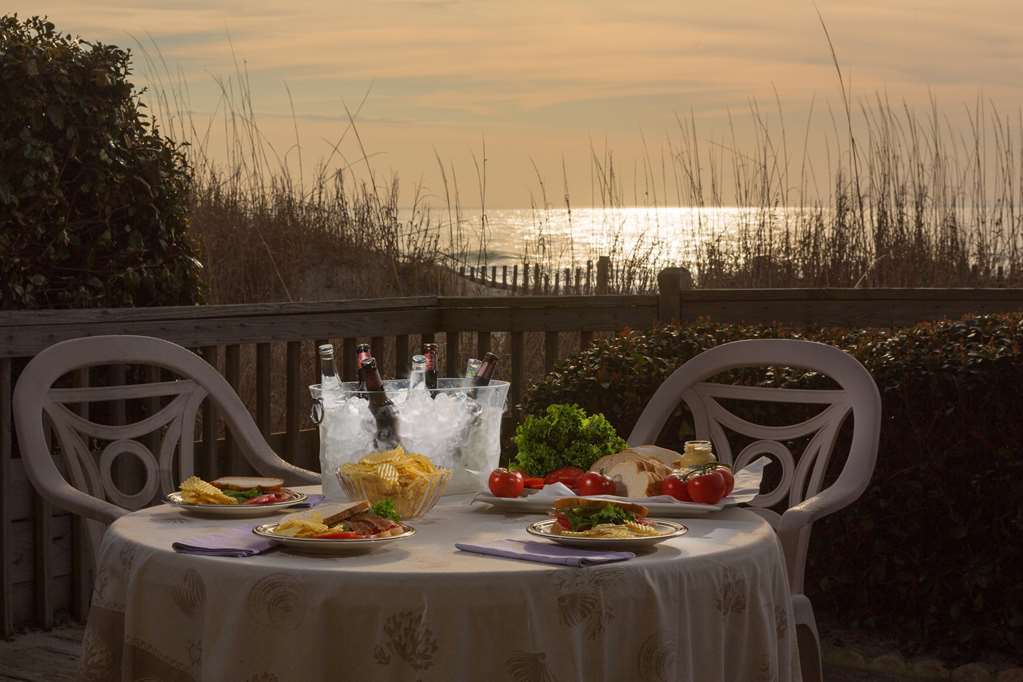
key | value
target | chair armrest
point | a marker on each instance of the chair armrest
(62, 494)
(814, 508)
(291, 474)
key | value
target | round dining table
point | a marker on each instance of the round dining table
(711, 605)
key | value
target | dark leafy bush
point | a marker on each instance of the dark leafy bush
(932, 551)
(92, 198)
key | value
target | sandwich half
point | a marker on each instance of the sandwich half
(595, 518)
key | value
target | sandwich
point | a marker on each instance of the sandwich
(379, 520)
(252, 489)
(595, 518)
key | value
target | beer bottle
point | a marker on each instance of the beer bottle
(430, 352)
(383, 410)
(472, 368)
(330, 383)
(417, 374)
(486, 371)
(362, 352)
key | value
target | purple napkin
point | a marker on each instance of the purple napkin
(236, 542)
(544, 552)
(311, 501)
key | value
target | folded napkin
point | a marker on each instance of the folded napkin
(232, 542)
(544, 552)
(311, 501)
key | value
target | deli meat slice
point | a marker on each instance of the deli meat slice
(369, 523)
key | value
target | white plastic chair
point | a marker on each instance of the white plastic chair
(801, 481)
(91, 491)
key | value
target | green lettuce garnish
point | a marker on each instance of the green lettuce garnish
(385, 509)
(584, 518)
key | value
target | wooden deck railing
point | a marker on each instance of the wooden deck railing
(267, 351)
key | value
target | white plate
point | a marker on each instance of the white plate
(235, 510)
(329, 545)
(532, 504)
(669, 529)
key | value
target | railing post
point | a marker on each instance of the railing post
(525, 278)
(670, 283)
(6, 546)
(603, 273)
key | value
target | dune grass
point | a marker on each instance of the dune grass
(905, 199)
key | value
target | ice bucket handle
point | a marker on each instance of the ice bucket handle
(316, 411)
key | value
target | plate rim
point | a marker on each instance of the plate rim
(299, 498)
(325, 542)
(680, 529)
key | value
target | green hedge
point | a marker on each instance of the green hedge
(933, 551)
(93, 200)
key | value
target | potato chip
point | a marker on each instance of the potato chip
(409, 479)
(301, 527)
(383, 456)
(194, 490)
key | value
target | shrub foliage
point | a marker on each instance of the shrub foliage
(931, 552)
(93, 199)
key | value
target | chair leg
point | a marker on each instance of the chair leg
(809, 654)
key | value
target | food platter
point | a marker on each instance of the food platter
(668, 529)
(539, 502)
(329, 545)
(236, 510)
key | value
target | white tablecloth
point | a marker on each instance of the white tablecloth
(712, 605)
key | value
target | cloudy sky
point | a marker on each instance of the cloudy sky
(543, 81)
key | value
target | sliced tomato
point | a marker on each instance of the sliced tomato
(563, 521)
(341, 535)
(566, 475)
(535, 482)
(269, 498)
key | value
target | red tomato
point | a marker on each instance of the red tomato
(534, 482)
(269, 498)
(726, 474)
(593, 483)
(707, 488)
(341, 535)
(504, 483)
(566, 475)
(563, 521)
(676, 487)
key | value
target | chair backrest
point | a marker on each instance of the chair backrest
(90, 489)
(801, 481)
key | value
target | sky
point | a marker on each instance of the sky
(541, 84)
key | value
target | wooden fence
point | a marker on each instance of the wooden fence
(45, 572)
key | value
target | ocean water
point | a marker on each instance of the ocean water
(559, 238)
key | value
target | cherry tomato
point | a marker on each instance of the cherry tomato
(593, 483)
(534, 482)
(676, 487)
(504, 483)
(726, 474)
(566, 475)
(707, 488)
